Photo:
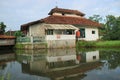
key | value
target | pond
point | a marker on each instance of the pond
(60, 64)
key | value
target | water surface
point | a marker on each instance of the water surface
(60, 64)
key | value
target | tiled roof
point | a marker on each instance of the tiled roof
(6, 37)
(54, 19)
(70, 20)
(67, 11)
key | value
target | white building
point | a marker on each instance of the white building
(59, 29)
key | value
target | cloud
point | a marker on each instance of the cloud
(17, 12)
(99, 7)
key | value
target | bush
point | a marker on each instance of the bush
(85, 44)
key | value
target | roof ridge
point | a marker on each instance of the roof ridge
(65, 16)
(62, 10)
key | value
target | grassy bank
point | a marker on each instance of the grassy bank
(31, 46)
(98, 44)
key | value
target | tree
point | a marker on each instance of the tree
(18, 34)
(2, 28)
(96, 18)
(112, 27)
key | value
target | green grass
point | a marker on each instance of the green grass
(98, 44)
(86, 44)
(108, 44)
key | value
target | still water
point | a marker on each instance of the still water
(60, 64)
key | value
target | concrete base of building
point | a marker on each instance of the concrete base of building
(49, 44)
(60, 43)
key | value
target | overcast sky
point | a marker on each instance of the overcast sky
(17, 12)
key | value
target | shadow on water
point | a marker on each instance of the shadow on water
(4, 48)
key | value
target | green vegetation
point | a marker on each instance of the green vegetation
(85, 44)
(108, 44)
(30, 46)
(19, 46)
(109, 32)
(98, 44)
(96, 18)
(2, 28)
(112, 56)
(18, 34)
(111, 26)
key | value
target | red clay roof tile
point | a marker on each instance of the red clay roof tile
(69, 20)
(6, 37)
(63, 20)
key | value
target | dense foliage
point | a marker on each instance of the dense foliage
(96, 18)
(18, 34)
(112, 28)
(2, 28)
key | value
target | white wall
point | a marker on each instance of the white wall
(60, 37)
(71, 15)
(56, 14)
(89, 36)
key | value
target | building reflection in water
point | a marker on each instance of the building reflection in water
(58, 63)
(90, 56)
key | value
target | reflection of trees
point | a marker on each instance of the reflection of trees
(112, 56)
(2, 67)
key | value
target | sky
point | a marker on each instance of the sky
(14, 13)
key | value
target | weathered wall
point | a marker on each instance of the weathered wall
(37, 30)
(7, 42)
(60, 43)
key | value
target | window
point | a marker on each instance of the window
(82, 33)
(49, 32)
(58, 32)
(94, 57)
(70, 32)
(93, 32)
